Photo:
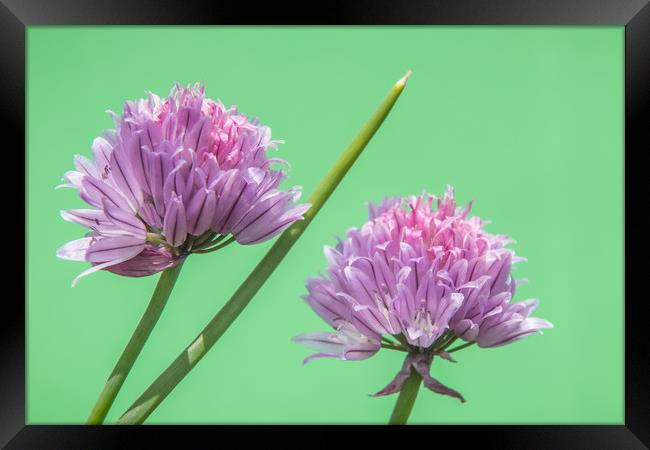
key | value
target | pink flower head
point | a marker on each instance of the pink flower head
(176, 175)
(426, 276)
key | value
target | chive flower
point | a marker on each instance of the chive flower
(417, 278)
(176, 176)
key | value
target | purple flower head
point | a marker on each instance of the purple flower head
(426, 277)
(177, 175)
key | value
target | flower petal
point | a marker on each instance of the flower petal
(125, 221)
(75, 250)
(124, 179)
(150, 261)
(114, 248)
(94, 191)
(175, 223)
(95, 268)
(200, 211)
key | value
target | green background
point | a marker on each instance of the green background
(526, 121)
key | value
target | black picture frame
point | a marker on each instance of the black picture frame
(16, 15)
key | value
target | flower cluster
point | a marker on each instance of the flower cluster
(425, 276)
(177, 175)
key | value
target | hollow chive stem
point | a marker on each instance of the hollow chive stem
(406, 399)
(183, 364)
(132, 350)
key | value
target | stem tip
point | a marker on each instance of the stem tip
(402, 81)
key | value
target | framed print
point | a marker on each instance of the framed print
(446, 153)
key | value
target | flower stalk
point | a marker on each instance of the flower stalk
(183, 364)
(424, 273)
(411, 387)
(406, 399)
(176, 176)
(132, 350)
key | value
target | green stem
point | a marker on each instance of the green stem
(208, 239)
(193, 353)
(216, 247)
(394, 347)
(402, 340)
(406, 399)
(437, 343)
(140, 335)
(447, 342)
(460, 347)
